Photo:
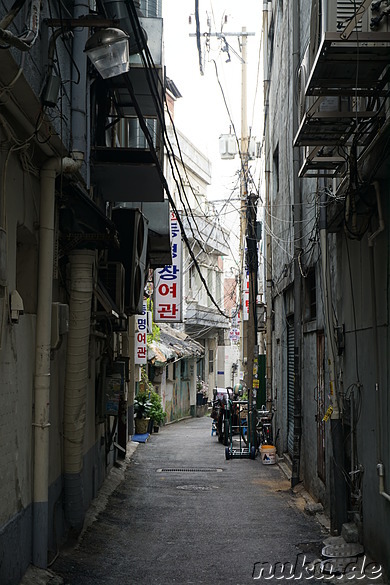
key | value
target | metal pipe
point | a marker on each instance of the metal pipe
(381, 473)
(381, 226)
(79, 77)
(41, 423)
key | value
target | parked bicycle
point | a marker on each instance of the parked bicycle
(264, 426)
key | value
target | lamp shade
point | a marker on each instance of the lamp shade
(108, 50)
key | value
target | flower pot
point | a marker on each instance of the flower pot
(156, 429)
(141, 425)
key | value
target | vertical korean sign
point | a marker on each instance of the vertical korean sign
(141, 348)
(168, 289)
(245, 297)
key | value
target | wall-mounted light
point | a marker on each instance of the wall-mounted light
(108, 50)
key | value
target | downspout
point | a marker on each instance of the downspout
(296, 458)
(41, 423)
(76, 383)
(79, 77)
(378, 406)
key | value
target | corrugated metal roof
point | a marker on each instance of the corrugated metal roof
(172, 346)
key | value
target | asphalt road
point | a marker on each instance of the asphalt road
(185, 515)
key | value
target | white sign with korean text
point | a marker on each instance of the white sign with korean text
(168, 289)
(245, 297)
(141, 348)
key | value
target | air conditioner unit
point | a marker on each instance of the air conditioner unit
(112, 276)
(132, 228)
(334, 16)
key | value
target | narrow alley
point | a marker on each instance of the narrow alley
(183, 514)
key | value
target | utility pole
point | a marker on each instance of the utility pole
(248, 241)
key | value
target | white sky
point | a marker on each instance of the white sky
(201, 114)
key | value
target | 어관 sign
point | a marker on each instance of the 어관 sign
(168, 282)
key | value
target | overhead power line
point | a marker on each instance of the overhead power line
(143, 46)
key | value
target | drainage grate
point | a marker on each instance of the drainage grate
(348, 549)
(189, 470)
(194, 488)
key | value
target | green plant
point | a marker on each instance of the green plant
(157, 413)
(142, 405)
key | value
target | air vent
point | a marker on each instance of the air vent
(345, 12)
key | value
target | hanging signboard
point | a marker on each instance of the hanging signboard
(234, 334)
(245, 297)
(141, 348)
(168, 288)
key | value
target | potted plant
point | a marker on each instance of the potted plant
(157, 413)
(142, 406)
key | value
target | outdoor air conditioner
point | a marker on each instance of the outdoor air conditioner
(112, 276)
(132, 228)
(333, 16)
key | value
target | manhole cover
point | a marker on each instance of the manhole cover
(194, 488)
(337, 566)
(349, 549)
(189, 470)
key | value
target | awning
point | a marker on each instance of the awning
(173, 345)
(82, 223)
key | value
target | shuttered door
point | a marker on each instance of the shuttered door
(321, 406)
(290, 386)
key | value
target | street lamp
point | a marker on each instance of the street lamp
(108, 50)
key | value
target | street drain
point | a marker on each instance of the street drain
(193, 488)
(189, 470)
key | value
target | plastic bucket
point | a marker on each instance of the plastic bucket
(268, 454)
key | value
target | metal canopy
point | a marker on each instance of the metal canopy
(359, 65)
(322, 162)
(355, 70)
(335, 128)
(126, 174)
(148, 89)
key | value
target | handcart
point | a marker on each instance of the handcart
(240, 435)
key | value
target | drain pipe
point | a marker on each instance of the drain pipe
(76, 383)
(79, 77)
(41, 424)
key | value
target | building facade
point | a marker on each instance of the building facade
(80, 160)
(326, 184)
(207, 245)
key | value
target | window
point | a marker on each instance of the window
(276, 170)
(211, 361)
(184, 369)
(310, 296)
(191, 277)
(210, 273)
(218, 293)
